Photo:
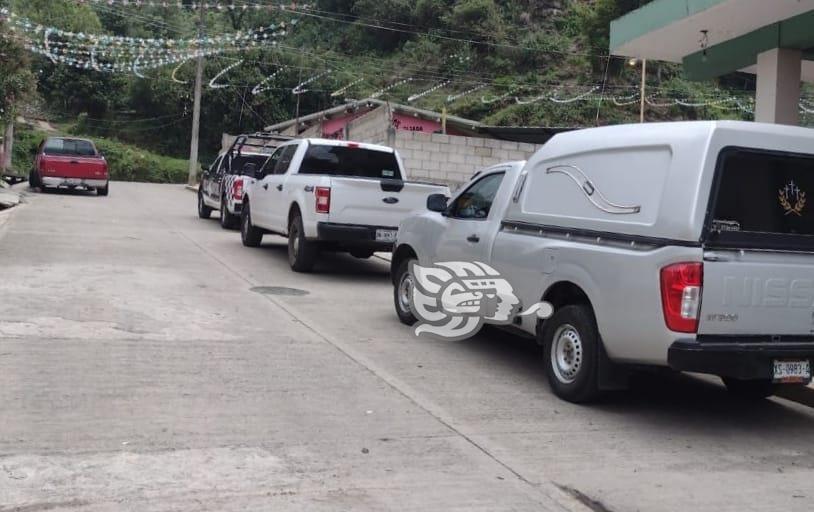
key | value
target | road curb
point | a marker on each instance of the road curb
(193, 188)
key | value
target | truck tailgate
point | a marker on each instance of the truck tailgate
(757, 293)
(74, 167)
(377, 203)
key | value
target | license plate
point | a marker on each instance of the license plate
(791, 371)
(386, 235)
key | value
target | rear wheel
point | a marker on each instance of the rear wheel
(402, 290)
(34, 180)
(757, 389)
(250, 235)
(302, 254)
(571, 347)
(227, 220)
(103, 191)
(203, 211)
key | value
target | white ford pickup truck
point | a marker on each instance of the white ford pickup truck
(680, 245)
(329, 195)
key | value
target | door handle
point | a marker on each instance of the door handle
(280, 187)
(266, 186)
(473, 238)
(74, 162)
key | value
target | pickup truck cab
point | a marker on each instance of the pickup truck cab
(331, 195)
(222, 185)
(680, 245)
(69, 162)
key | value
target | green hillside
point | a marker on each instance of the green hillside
(504, 62)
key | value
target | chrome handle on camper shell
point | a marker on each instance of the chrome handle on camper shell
(590, 190)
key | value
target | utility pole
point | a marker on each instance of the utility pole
(196, 109)
(644, 75)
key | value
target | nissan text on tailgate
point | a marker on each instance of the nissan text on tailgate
(68, 162)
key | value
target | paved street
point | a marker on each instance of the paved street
(149, 362)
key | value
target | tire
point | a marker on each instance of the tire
(103, 191)
(228, 220)
(250, 235)
(302, 254)
(750, 389)
(362, 254)
(34, 180)
(402, 288)
(571, 346)
(204, 211)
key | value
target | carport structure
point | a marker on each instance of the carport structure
(773, 39)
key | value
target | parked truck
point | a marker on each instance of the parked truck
(222, 185)
(329, 195)
(680, 245)
(69, 162)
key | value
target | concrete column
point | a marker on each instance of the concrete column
(778, 86)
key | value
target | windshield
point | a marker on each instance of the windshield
(69, 147)
(350, 161)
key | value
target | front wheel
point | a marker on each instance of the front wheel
(250, 235)
(203, 211)
(571, 347)
(757, 389)
(402, 290)
(302, 254)
(227, 220)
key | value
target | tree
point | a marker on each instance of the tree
(17, 84)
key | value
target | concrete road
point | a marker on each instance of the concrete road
(150, 362)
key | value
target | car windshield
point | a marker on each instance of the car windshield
(350, 161)
(69, 147)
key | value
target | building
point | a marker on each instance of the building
(434, 146)
(769, 38)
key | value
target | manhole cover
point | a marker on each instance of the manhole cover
(279, 290)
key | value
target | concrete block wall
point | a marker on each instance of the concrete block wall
(371, 127)
(452, 159)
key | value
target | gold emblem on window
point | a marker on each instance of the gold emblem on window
(792, 199)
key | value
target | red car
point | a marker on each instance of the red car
(68, 162)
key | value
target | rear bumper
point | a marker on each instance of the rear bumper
(50, 181)
(739, 359)
(353, 236)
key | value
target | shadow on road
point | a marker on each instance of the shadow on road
(336, 266)
(666, 399)
(63, 191)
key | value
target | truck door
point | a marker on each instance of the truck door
(469, 230)
(281, 197)
(262, 191)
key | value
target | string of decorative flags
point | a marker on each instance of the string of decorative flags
(106, 53)
(212, 6)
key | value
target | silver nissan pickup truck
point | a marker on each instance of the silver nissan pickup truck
(683, 245)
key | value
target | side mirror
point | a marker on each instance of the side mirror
(437, 203)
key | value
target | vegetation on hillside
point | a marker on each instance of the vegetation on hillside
(524, 60)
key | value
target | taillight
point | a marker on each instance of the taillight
(323, 195)
(681, 295)
(237, 190)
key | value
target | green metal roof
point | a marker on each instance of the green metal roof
(653, 16)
